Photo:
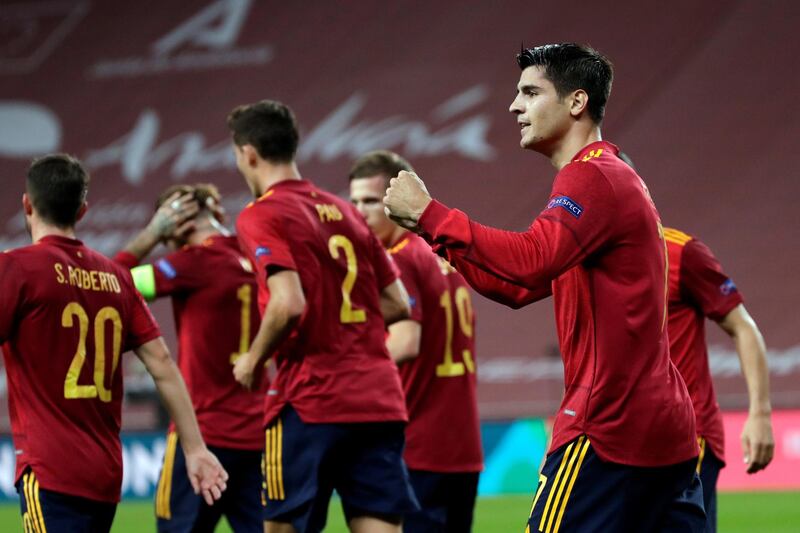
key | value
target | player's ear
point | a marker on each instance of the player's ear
(578, 102)
(250, 155)
(27, 206)
(82, 211)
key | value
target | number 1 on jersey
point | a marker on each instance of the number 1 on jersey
(347, 314)
(245, 295)
(449, 368)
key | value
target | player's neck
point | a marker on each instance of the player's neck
(40, 229)
(394, 237)
(272, 173)
(206, 229)
(572, 143)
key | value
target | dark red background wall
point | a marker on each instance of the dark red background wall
(704, 101)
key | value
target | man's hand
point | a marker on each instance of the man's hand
(758, 444)
(244, 371)
(406, 199)
(206, 474)
(174, 217)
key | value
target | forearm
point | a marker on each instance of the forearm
(525, 259)
(403, 341)
(394, 303)
(276, 325)
(497, 289)
(175, 397)
(752, 356)
(143, 243)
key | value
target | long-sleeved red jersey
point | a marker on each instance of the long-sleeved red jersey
(598, 246)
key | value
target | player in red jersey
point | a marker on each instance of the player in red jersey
(435, 352)
(213, 291)
(335, 412)
(698, 288)
(66, 315)
(623, 451)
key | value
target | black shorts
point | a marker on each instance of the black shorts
(709, 466)
(447, 501)
(363, 462)
(55, 512)
(179, 509)
(578, 491)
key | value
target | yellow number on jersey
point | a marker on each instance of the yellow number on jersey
(450, 368)
(347, 314)
(245, 295)
(71, 388)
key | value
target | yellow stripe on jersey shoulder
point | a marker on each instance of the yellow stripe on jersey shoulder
(676, 236)
(260, 199)
(399, 246)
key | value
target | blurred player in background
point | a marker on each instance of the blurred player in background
(213, 292)
(435, 352)
(623, 452)
(66, 315)
(698, 288)
(335, 413)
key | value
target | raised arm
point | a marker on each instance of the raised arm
(576, 221)
(174, 217)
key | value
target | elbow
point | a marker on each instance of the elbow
(289, 309)
(396, 311)
(405, 356)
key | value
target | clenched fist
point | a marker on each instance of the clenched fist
(406, 199)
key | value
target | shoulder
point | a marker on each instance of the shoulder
(412, 254)
(588, 177)
(257, 213)
(10, 262)
(697, 255)
(676, 238)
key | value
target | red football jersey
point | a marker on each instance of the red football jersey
(443, 432)
(213, 292)
(598, 241)
(334, 366)
(698, 288)
(67, 313)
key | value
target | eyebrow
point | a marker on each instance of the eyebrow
(528, 87)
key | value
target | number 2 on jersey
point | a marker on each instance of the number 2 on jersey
(71, 388)
(449, 368)
(347, 314)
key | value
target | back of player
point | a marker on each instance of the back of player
(699, 288)
(67, 433)
(213, 294)
(66, 315)
(335, 411)
(338, 344)
(443, 442)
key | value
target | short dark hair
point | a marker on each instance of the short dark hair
(57, 185)
(269, 126)
(379, 162)
(571, 67)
